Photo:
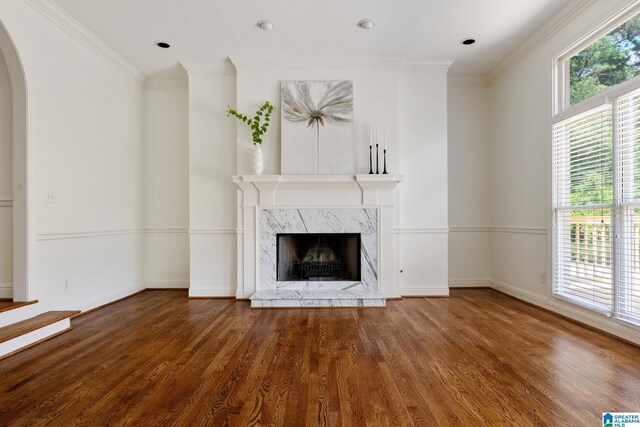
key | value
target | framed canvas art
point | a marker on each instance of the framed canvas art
(317, 127)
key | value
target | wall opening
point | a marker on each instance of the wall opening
(318, 257)
(20, 216)
(6, 178)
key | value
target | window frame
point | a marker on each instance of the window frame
(562, 110)
(561, 61)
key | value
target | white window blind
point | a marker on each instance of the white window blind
(627, 140)
(583, 177)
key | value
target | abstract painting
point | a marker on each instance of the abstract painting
(317, 127)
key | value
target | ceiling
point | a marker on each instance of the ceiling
(208, 31)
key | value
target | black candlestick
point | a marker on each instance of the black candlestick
(384, 172)
(370, 160)
(377, 158)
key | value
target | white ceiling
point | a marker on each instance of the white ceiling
(208, 31)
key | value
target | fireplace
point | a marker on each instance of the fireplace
(318, 257)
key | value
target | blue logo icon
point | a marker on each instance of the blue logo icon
(607, 420)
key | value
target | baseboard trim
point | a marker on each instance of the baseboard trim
(82, 313)
(595, 321)
(211, 293)
(109, 298)
(424, 292)
(167, 284)
(518, 293)
(469, 283)
(6, 291)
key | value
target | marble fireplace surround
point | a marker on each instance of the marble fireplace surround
(363, 221)
(272, 204)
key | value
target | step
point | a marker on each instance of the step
(13, 312)
(33, 330)
(6, 305)
(317, 298)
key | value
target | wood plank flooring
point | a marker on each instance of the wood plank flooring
(477, 358)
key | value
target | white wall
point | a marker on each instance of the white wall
(469, 127)
(85, 152)
(410, 106)
(520, 171)
(6, 170)
(375, 93)
(212, 194)
(381, 93)
(166, 186)
(422, 233)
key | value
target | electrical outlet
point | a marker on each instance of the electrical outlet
(51, 198)
(66, 284)
(543, 277)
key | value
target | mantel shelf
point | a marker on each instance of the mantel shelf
(319, 179)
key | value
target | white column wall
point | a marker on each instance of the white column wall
(166, 185)
(468, 173)
(212, 194)
(422, 233)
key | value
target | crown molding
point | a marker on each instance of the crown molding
(552, 27)
(79, 32)
(221, 68)
(413, 65)
(166, 83)
(316, 62)
(380, 62)
(467, 81)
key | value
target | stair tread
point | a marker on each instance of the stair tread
(20, 328)
(11, 305)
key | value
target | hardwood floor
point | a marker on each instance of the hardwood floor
(477, 358)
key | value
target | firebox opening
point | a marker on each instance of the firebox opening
(318, 257)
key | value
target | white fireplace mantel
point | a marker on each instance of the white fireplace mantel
(371, 186)
(257, 193)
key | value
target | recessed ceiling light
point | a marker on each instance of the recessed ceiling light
(266, 25)
(366, 24)
(467, 42)
(163, 45)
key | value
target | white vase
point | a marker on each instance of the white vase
(258, 160)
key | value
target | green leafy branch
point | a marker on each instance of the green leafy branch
(258, 129)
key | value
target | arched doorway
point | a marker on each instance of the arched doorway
(19, 166)
(6, 190)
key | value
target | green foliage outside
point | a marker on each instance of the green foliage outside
(611, 60)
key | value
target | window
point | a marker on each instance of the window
(610, 60)
(583, 203)
(596, 175)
